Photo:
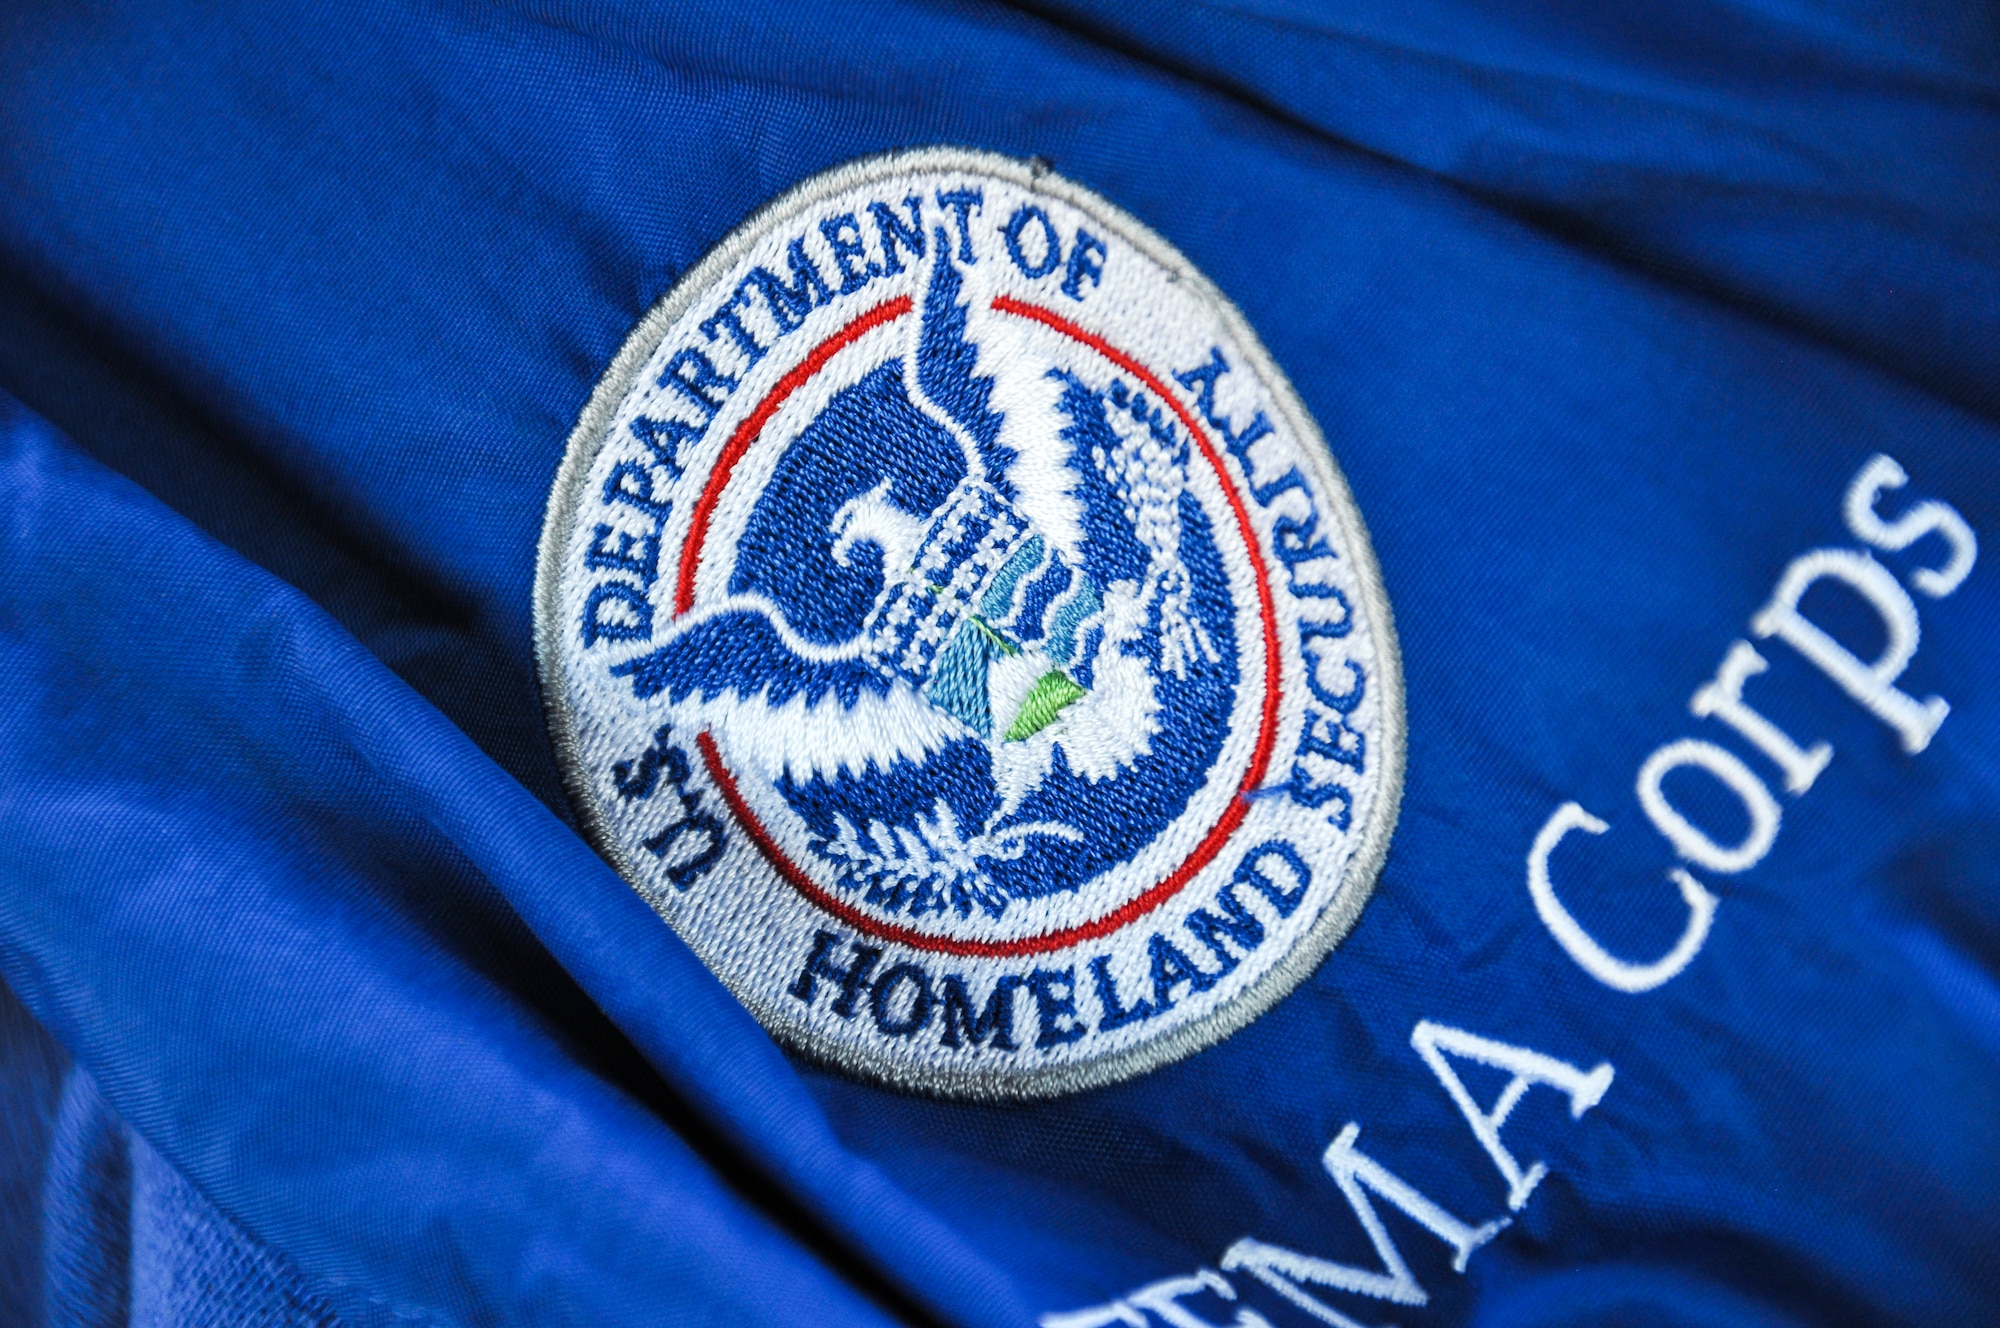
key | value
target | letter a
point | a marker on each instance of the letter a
(1356, 1173)
(1584, 1090)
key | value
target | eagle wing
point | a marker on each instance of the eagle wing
(786, 705)
(746, 651)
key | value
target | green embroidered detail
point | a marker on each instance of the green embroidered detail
(1054, 691)
(998, 642)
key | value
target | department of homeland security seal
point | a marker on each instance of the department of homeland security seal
(954, 626)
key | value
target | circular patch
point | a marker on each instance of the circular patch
(952, 623)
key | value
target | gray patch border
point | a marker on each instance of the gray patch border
(1364, 866)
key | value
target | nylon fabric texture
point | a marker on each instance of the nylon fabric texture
(326, 1010)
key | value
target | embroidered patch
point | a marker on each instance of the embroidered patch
(952, 623)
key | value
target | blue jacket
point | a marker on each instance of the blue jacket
(318, 1008)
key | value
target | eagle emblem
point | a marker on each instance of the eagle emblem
(986, 626)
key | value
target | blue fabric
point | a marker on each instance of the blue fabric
(1600, 310)
(102, 1230)
(129, 1241)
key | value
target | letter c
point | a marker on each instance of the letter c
(1593, 958)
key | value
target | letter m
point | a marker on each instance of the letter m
(1288, 1272)
(789, 305)
(996, 1023)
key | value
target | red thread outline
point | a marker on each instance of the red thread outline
(1218, 835)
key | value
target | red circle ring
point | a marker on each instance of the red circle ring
(739, 443)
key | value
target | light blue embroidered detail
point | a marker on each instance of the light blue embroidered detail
(999, 597)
